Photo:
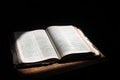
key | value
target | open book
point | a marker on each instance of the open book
(55, 44)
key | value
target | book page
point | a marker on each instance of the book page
(34, 46)
(67, 40)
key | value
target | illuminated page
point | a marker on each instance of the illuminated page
(34, 46)
(67, 40)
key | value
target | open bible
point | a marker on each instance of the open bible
(55, 44)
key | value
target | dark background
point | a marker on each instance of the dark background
(98, 20)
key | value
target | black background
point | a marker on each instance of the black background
(98, 20)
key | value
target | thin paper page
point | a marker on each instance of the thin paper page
(34, 48)
(67, 40)
(44, 44)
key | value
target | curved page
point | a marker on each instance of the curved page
(67, 40)
(34, 46)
